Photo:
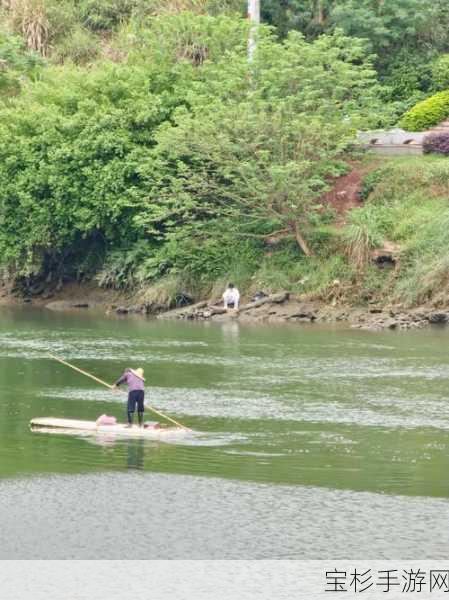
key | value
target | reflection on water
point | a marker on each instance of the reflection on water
(135, 454)
(231, 333)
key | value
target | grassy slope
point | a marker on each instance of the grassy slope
(407, 205)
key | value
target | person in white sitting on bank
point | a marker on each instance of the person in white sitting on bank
(231, 297)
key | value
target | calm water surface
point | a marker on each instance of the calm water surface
(330, 425)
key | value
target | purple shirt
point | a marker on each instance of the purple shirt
(134, 382)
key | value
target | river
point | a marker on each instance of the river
(312, 442)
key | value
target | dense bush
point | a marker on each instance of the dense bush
(427, 113)
(408, 78)
(181, 164)
(436, 143)
(405, 36)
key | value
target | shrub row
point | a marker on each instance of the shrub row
(427, 113)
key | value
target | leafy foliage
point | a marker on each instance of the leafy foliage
(409, 78)
(394, 24)
(440, 72)
(260, 161)
(178, 165)
(405, 35)
(387, 26)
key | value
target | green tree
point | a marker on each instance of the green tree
(260, 142)
(393, 24)
(311, 17)
(186, 142)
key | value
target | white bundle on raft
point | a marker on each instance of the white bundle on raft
(105, 420)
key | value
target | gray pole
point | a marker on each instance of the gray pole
(254, 17)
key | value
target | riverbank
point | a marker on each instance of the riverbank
(282, 307)
(72, 296)
(286, 308)
(380, 262)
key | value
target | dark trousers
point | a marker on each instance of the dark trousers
(136, 399)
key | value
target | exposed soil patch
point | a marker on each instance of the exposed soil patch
(345, 194)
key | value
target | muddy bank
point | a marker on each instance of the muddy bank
(72, 296)
(85, 296)
(276, 308)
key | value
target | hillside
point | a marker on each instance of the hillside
(141, 151)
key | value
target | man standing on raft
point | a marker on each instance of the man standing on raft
(136, 393)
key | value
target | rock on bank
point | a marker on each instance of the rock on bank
(283, 307)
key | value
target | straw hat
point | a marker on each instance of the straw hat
(138, 373)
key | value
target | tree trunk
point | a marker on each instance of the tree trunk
(320, 15)
(300, 240)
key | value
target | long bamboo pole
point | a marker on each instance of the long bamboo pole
(111, 387)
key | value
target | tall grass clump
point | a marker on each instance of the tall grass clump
(364, 232)
(170, 292)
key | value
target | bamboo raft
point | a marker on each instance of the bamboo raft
(78, 427)
(153, 431)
